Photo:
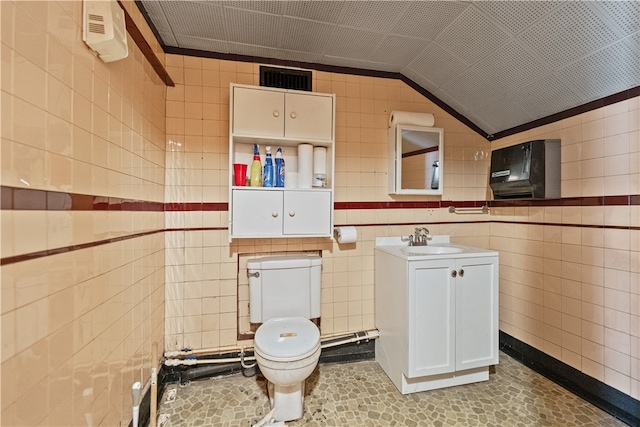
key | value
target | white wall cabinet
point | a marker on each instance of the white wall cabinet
(278, 114)
(280, 118)
(438, 320)
(277, 213)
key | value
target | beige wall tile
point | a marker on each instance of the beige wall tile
(594, 262)
(55, 309)
(565, 290)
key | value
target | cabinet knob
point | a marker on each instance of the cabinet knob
(292, 213)
(276, 113)
(454, 273)
(274, 214)
(293, 115)
(461, 273)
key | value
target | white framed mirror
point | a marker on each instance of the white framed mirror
(415, 160)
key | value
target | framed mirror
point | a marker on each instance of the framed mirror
(415, 160)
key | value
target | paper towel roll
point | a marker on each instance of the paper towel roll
(319, 160)
(346, 234)
(305, 165)
(410, 118)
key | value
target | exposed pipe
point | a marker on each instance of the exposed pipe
(242, 359)
(356, 337)
(207, 371)
(207, 351)
(153, 410)
(328, 342)
(135, 397)
(194, 361)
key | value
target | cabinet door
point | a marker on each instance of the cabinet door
(476, 312)
(308, 116)
(432, 313)
(258, 112)
(256, 213)
(307, 212)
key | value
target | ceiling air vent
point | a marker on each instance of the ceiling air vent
(285, 78)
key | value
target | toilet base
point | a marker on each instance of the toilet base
(286, 401)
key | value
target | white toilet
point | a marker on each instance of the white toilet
(284, 293)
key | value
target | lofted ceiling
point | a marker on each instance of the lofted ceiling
(500, 64)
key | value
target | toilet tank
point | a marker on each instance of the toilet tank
(284, 286)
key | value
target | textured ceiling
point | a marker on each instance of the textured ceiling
(500, 64)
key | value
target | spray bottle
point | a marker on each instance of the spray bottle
(279, 168)
(269, 176)
(256, 168)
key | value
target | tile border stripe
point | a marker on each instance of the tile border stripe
(145, 48)
(13, 198)
(48, 252)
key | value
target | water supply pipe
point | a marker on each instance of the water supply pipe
(191, 359)
(135, 397)
(153, 410)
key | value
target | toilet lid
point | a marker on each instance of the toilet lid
(285, 339)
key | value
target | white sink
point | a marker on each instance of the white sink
(439, 247)
(431, 250)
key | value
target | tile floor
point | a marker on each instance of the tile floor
(360, 394)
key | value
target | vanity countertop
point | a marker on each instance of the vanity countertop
(439, 247)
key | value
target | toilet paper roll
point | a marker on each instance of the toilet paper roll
(305, 165)
(319, 160)
(346, 234)
(410, 118)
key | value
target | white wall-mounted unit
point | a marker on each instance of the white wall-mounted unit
(280, 118)
(104, 29)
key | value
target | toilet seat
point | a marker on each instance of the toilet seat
(287, 339)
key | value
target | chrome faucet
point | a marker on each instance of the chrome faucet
(419, 238)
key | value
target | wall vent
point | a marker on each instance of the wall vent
(104, 29)
(285, 78)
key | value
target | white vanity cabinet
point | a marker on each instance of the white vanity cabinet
(451, 315)
(280, 118)
(437, 317)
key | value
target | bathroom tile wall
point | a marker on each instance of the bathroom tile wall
(78, 325)
(570, 275)
(82, 295)
(207, 290)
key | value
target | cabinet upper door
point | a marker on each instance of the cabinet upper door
(258, 112)
(307, 212)
(256, 213)
(308, 116)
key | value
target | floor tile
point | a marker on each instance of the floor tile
(360, 394)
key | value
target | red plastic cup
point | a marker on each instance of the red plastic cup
(240, 174)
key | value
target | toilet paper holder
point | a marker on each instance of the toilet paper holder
(346, 234)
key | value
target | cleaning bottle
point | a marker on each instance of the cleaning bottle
(256, 168)
(279, 168)
(268, 179)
